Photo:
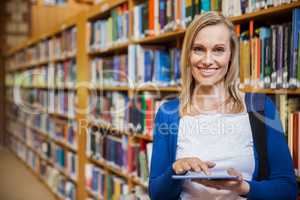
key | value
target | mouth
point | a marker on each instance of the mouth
(206, 72)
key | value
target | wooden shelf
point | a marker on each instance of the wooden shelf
(32, 64)
(118, 47)
(64, 56)
(64, 173)
(110, 168)
(163, 37)
(33, 87)
(45, 87)
(115, 170)
(35, 64)
(113, 88)
(142, 88)
(139, 182)
(262, 13)
(141, 136)
(92, 194)
(155, 88)
(62, 116)
(65, 145)
(272, 91)
(63, 87)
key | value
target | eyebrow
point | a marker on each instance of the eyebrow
(201, 45)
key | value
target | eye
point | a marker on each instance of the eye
(219, 49)
(198, 49)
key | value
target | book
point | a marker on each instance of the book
(294, 49)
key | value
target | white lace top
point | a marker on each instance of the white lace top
(225, 139)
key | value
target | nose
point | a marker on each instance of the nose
(207, 59)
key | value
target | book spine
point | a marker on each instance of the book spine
(279, 57)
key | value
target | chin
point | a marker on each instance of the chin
(209, 82)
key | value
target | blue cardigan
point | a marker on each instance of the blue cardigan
(281, 184)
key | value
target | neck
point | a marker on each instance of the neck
(216, 92)
(210, 97)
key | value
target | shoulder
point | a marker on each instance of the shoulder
(168, 107)
(167, 111)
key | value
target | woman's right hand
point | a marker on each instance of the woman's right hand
(183, 165)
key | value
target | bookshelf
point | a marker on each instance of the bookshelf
(97, 125)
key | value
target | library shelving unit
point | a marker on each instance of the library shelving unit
(43, 125)
(82, 144)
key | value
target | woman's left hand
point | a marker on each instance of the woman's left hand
(239, 186)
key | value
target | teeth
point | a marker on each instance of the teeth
(208, 71)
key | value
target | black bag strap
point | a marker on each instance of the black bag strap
(260, 142)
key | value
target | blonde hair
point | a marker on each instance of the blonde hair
(188, 82)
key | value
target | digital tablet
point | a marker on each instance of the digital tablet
(202, 176)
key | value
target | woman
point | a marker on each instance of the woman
(212, 127)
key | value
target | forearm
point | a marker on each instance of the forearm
(285, 188)
(164, 187)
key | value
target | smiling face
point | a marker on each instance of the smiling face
(210, 55)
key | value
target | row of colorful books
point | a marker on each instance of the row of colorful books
(109, 71)
(132, 158)
(144, 64)
(42, 101)
(59, 46)
(56, 154)
(105, 32)
(270, 56)
(61, 74)
(153, 17)
(154, 64)
(63, 131)
(65, 188)
(239, 7)
(61, 186)
(58, 102)
(65, 160)
(104, 185)
(127, 114)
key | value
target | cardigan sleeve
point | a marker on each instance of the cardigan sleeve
(161, 184)
(282, 182)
